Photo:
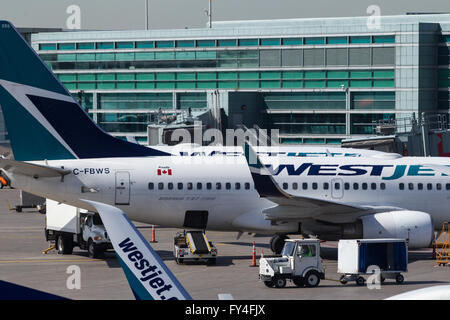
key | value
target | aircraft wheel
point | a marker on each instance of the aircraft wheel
(277, 243)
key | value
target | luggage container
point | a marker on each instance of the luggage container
(359, 257)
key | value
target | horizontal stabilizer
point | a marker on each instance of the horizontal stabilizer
(31, 169)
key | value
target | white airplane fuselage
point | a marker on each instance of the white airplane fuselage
(125, 183)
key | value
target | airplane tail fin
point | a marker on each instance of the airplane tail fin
(148, 276)
(264, 183)
(42, 118)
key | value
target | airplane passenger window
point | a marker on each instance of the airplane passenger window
(170, 186)
(373, 186)
(218, 186)
(401, 186)
(382, 186)
(199, 186)
(209, 185)
(347, 186)
(429, 186)
(364, 186)
(337, 186)
(160, 186)
(305, 186)
(411, 186)
(295, 186)
(237, 186)
(447, 186)
(180, 186)
(314, 185)
(326, 186)
(355, 186)
(189, 185)
(247, 186)
(420, 186)
(439, 186)
(228, 186)
(151, 186)
(285, 185)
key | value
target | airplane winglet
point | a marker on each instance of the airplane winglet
(147, 275)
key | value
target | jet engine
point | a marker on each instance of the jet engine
(415, 226)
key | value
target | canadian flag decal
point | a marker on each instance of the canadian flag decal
(164, 171)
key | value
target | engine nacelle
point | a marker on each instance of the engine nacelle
(416, 226)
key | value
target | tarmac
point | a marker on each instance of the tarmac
(22, 262)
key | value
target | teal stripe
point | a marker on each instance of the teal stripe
(136, 286)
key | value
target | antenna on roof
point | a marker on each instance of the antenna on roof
(209, 13)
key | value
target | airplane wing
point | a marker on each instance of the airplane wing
(147, 274)
(291, 207)
(31, 169)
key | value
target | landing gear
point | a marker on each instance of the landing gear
(277, 243)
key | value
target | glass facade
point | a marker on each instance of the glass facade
(316, 84)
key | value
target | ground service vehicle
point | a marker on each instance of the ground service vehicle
(193, 245)
(300, 262)
(360, 257)
(69, 226)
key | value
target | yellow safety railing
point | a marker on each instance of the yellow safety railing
(443, 246)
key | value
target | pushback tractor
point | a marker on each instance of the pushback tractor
(300, 263)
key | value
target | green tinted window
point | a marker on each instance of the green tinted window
(248, 42)
(85, 57)
(106, 76)
(360, 39)
(337, 40)
(104, 56)
(66, 57)
(105, 45)
(165, 44)
(124, 45)
(165, 55)
(226, 43)
(145, 44)
(86, 77)
(86, 46)
(292, 41)
(315, 40)
(128, 56)
(145, 55)
(185, 43)
(384, 39)
(185, 55)
(145, 76)
(47, 46)
(206, 43)
(271, 42)
(206, 76)
(206, 55)
(66, 46)
(125, 76)
(292, 75)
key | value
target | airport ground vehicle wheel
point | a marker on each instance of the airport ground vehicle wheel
(360, 281)
(277, 243)
(312, 279)
(93, 250)
(279, 282)
(299, 282)
(269, 283)
(399, 279)
(342, 280)
(64, 244)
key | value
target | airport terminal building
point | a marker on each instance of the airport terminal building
(316, 80)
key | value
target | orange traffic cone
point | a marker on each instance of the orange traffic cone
(254, 256)
(153, 234)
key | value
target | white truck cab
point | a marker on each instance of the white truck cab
(69, 226)
(300, 262)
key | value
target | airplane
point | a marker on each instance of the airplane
(61, 154)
